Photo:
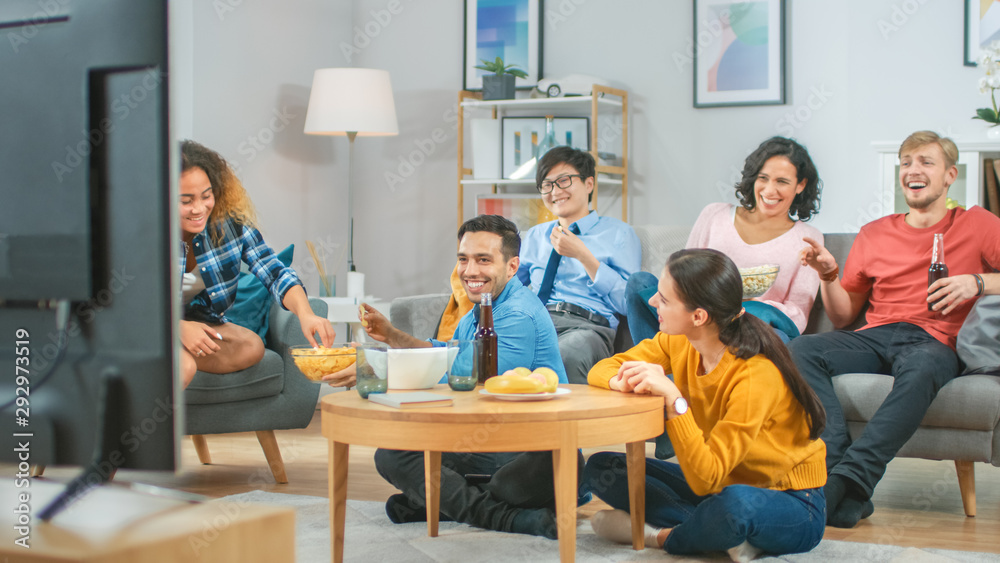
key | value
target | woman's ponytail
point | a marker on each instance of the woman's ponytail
(709, 280)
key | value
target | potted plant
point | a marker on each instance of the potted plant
(500, 84)
(990, 60)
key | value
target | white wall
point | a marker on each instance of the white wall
(252, 70)
(858, 71)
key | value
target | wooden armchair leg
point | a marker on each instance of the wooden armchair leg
(273, 455)
(201, 446)
(967, 485)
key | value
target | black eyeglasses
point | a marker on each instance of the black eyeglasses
(563, 182)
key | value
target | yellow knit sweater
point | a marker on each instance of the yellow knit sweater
(743, 427)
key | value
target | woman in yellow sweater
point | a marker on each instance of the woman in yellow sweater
(744, 424)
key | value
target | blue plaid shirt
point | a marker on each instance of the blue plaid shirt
(219, 267)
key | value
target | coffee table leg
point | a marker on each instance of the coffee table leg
(338, 498)
(635, 457)
(432, 490)
(564, 468)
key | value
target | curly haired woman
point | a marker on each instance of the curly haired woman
(779, 191)
(218, 232)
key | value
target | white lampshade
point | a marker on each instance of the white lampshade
(356, 100)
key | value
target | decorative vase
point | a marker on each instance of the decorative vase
(993, 133)
(548, 142)
(498, 87)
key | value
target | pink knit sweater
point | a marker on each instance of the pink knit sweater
(795, 288)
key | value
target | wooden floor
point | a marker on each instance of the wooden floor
(916, 504)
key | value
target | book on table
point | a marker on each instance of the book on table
(412, 400)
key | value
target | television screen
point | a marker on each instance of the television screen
(87, 235)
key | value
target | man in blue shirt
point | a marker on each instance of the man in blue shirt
(510, 491)
(580, 263)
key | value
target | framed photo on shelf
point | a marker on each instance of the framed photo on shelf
(525, 210)
(982, 27)
(509, 29)
(739, 56)
(520, 136)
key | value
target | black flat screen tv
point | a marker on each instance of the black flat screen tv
(87, 236)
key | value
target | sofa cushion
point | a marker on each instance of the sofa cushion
(264, 379)
(979, 339)
(658, 243)
(966, 402)
(253, 300)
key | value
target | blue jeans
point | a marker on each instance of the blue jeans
(776, 522)
(918, 362)
(642, 322)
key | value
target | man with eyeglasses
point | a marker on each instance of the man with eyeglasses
(578, 265)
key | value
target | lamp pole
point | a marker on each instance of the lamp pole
(350, 201)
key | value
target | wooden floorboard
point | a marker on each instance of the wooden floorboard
(916, 504)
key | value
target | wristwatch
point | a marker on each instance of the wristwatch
(680, 406)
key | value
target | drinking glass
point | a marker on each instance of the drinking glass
(463, 363)
(372, 368)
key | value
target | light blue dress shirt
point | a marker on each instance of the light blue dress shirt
(525, 334)
(612, 242)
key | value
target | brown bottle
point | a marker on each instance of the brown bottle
(488, 358)
(938, 269)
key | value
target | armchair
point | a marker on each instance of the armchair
(272, 395)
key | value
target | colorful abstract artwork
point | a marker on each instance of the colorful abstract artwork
(739, 52)
(509, 29)
(982, 27)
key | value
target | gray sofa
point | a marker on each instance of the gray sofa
(271, 395)
(962, 424)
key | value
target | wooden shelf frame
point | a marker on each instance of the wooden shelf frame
(603, 97)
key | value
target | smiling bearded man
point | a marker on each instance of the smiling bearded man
(508, 491)
(887, 268)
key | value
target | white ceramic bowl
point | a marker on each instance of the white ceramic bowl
(417, 368)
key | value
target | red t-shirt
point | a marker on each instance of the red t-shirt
(891, 258)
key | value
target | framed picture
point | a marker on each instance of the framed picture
(509, 29)
(520, 136)
(739, 53)
(524, 210)
(982, 27)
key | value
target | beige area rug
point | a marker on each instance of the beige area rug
(371, 537)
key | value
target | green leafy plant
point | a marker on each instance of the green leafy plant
(497, 67)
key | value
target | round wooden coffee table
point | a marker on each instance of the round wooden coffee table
(586, 417)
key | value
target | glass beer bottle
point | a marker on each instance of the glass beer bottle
(938, 269)
(485, 333)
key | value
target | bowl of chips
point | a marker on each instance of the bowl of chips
(314, 363)
(758, 279)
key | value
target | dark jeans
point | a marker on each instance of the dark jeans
(519, 480)
(920, 365)
(776, 522)
(581, 344)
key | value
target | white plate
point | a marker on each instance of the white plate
(526, 396)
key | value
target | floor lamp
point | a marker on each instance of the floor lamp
(352, 102)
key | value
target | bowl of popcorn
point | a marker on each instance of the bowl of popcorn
(758, 279)
(314, 363)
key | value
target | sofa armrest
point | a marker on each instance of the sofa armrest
(284, 330)
(418, 315)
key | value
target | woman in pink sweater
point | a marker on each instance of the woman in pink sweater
(780, 189)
